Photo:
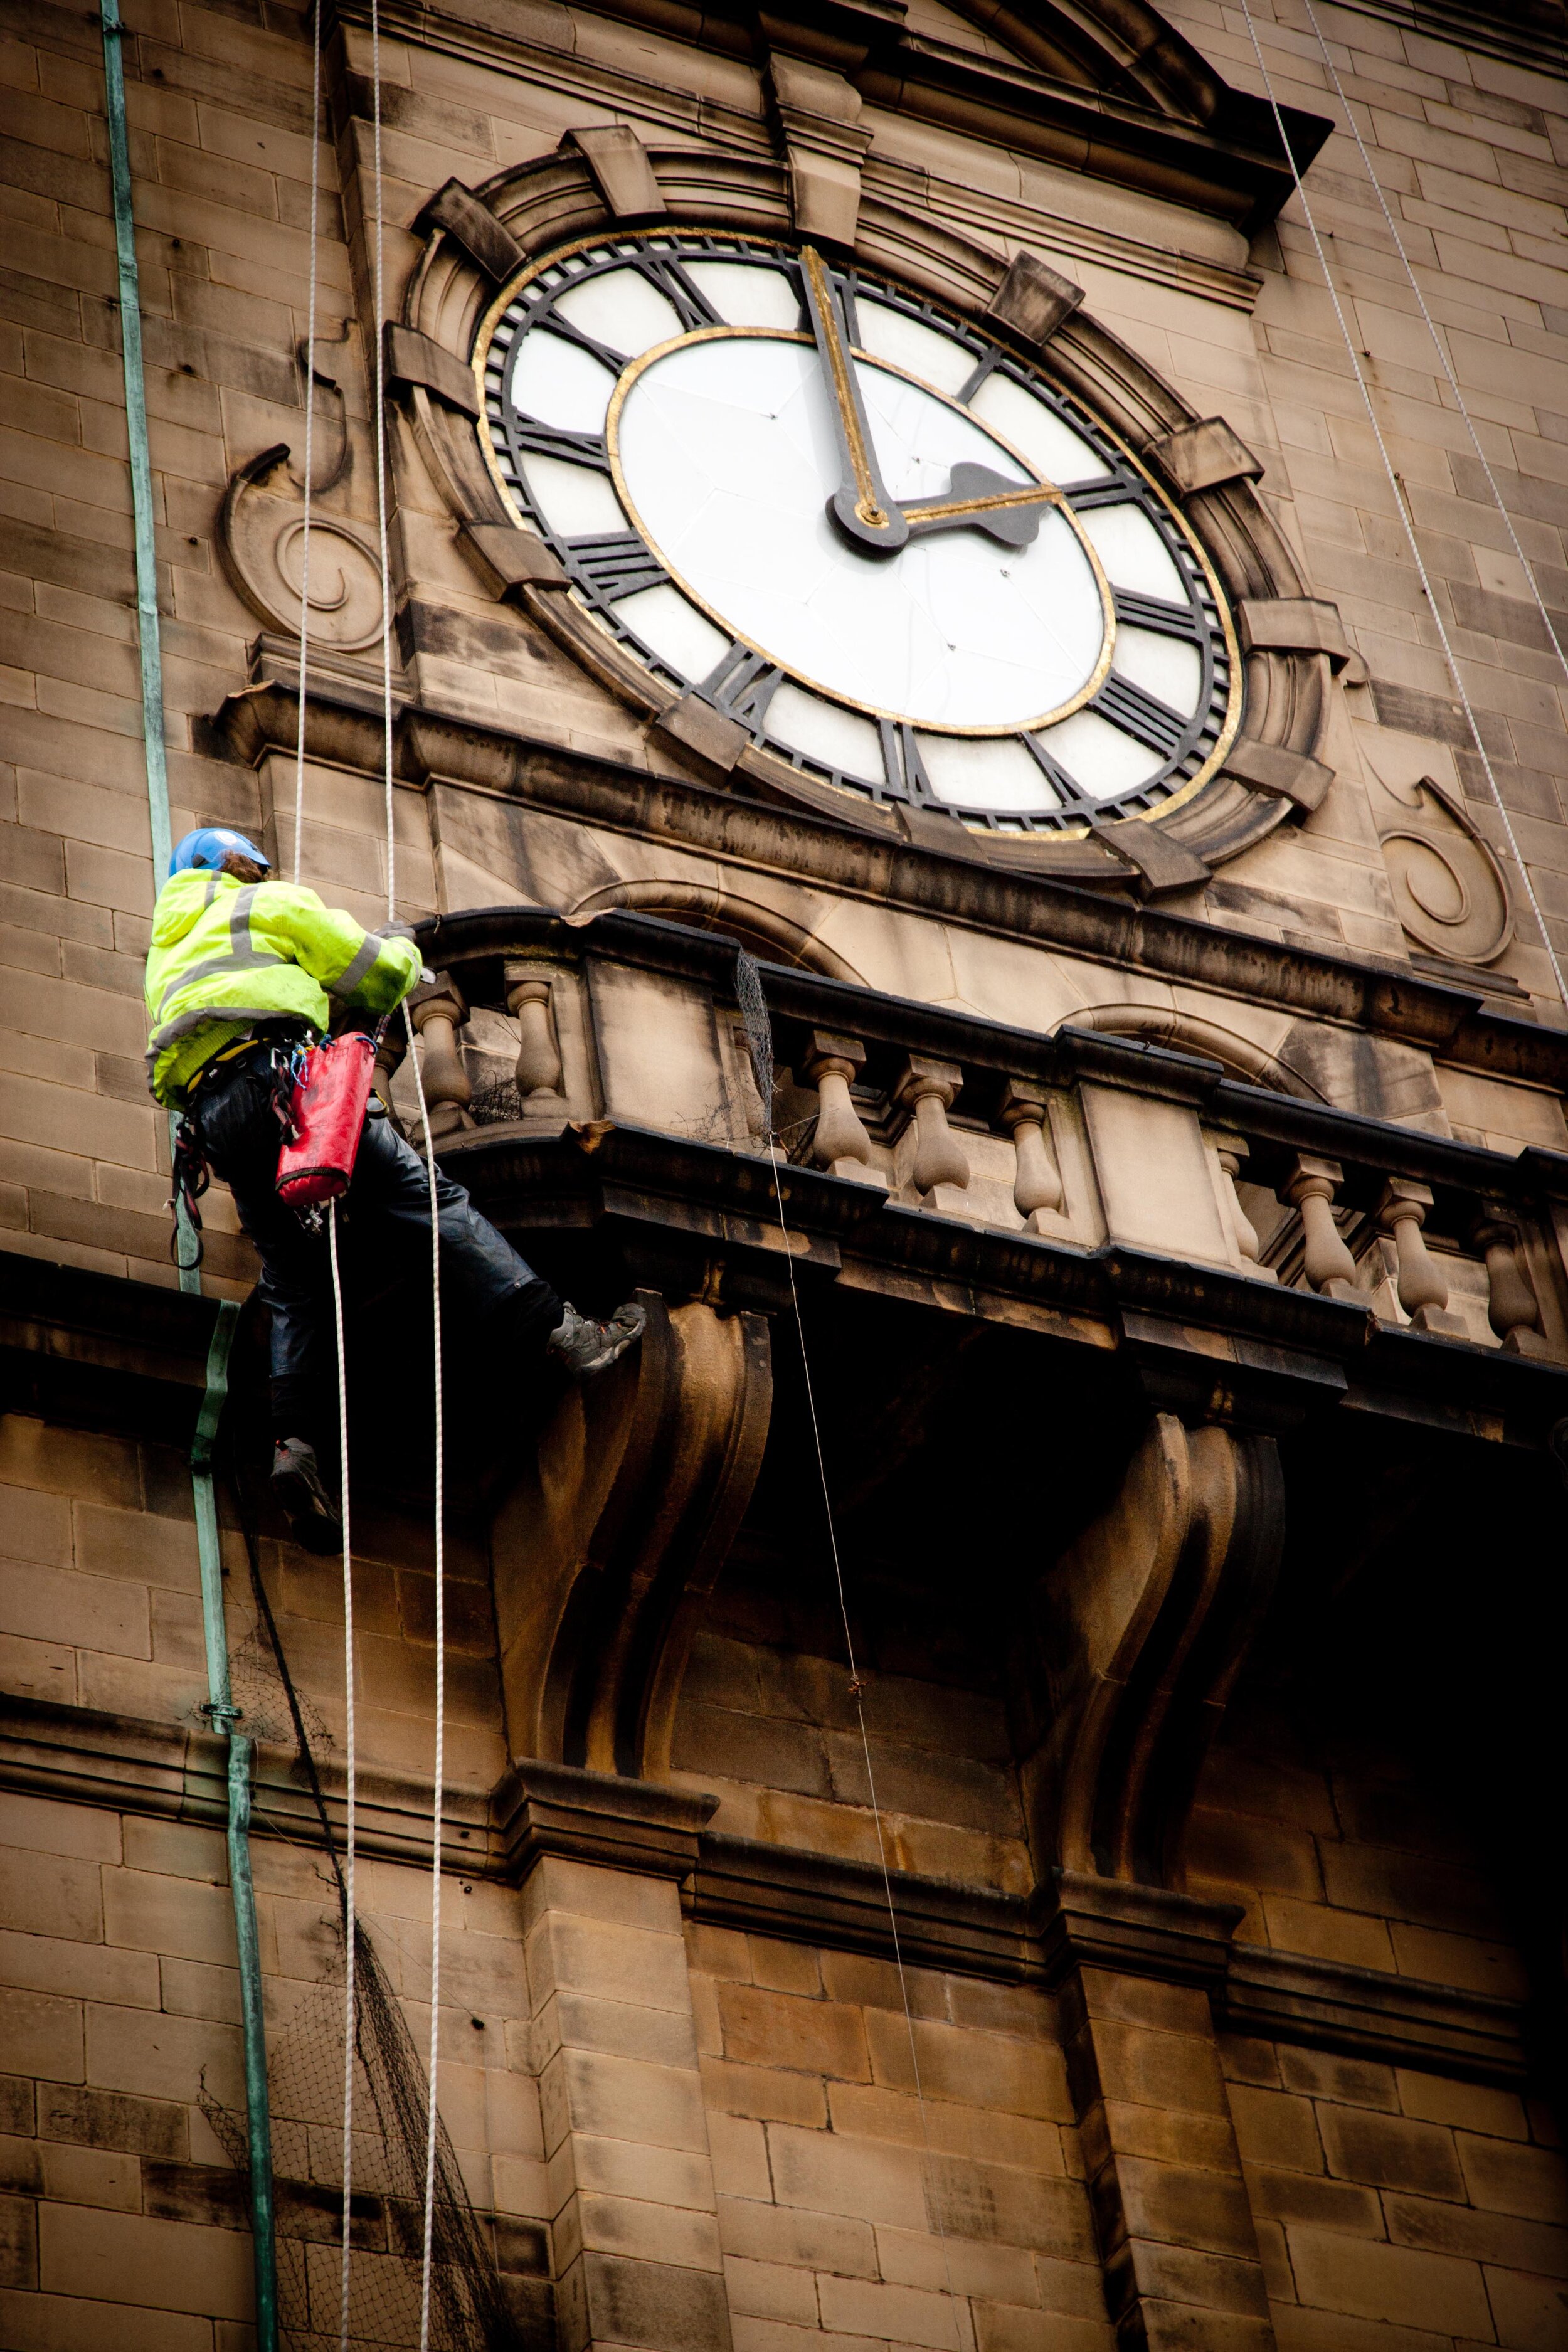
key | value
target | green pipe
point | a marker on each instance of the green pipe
(147, 631)
(224, 1715)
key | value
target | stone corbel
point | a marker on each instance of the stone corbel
(1143, 1622)
(1205, 456)
(1161, 862)
(617, 1526)
(621, 168)
(818, 117)
(1293, 625)
(469, 222)
(415, 361)
(1033, 299)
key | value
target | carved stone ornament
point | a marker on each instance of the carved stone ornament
(1277, 701)
(609, 1544)
(1449, 890)
(261, 535)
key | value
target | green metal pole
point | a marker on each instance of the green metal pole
(147, 632)
(224, 1715)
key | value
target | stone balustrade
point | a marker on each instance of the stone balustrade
(1079, 1140)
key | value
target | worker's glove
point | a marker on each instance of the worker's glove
(393, 932)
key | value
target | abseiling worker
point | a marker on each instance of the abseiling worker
(243, 973)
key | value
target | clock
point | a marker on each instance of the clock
(905, 562)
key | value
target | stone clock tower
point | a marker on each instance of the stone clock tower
(983, 796)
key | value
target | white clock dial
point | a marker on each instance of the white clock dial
(901, 558)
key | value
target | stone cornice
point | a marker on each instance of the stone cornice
(175, 1773)
(948, 883)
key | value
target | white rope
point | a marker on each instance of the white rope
(349, 2022)
(380, 309)
(310, 437)
(1401, 504)
(433, 2110)
(433, 2113)
(856, 1687)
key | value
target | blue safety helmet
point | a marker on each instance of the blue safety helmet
(210, 844)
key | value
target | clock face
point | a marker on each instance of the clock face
(905, 562)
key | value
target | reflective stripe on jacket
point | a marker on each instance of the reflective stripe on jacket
(224, 954)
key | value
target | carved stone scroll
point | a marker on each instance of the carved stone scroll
(260, 540)
(1143, 1625)
(1449, 890)
(613, 1536)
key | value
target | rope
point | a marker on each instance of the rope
(309, 436)
(432, 2119)
(1397, 487)
(380, 309)
(759, 1040)
(349, 1925)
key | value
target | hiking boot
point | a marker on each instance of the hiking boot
(312, 1516)
(587, 1346)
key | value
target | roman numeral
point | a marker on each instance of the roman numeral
(902, 765)
(1155, 613)
(743, 685)
(1148, 720)
(615, 563)
(526, 433)
(666, 274)
(1067, 789)
(604, 353)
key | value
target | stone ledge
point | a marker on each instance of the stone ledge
(124, 1764)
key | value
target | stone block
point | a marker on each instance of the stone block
(1504, 2178)
(90, 2176)
(865, 2179)
(41, 2035)
(619, 2167)
(1160, 2070)
(998, 2204)
(1274, 2128)
(771, 2291)
(768, 2092)
(154, 2128)
(129, 2258)
(1368, 2281)
(764, 2232)
(624, 2098)
(18, 2242)
(1176, 2205)
(613, 1962)
(655, 2306)
(574, 2020)
(901, 2314)
(781, 2030)
(44, 1825)
(1312, 2199)
(1391, 2152)
(643, 2231)
(1349, 2082)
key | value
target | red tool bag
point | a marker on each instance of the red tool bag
(328, 1114)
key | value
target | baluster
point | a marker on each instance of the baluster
(1423, 1291)
(1037, 1184)
(929, 1087)
(1230, 1150)
(438, 1009)
(1512, 1309)
(1330, 1267)
(830, 1064)
(538, 1054)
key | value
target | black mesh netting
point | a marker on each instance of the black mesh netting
(468, 2312)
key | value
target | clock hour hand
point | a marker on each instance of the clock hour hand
(1008, 511)
(861, 505)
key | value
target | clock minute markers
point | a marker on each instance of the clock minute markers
(861, 505)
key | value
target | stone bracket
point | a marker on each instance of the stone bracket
(1293, 625)
(1204, 456)
(1161, 862)
(619, 1524)
(415, 361)
(469, 222)
(1142, 1626)
(1033, 299)
(818, 112)
(511, 560)
(1287, 775)
(623, 171)
(693, 726)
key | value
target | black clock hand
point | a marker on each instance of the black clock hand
(1008, 511)
(861, 505)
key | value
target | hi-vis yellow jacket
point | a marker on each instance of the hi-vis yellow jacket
(226, 953)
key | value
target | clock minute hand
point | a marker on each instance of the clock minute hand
(861, 505)
(1008, 511)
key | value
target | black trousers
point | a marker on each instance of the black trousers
(385, 1224)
